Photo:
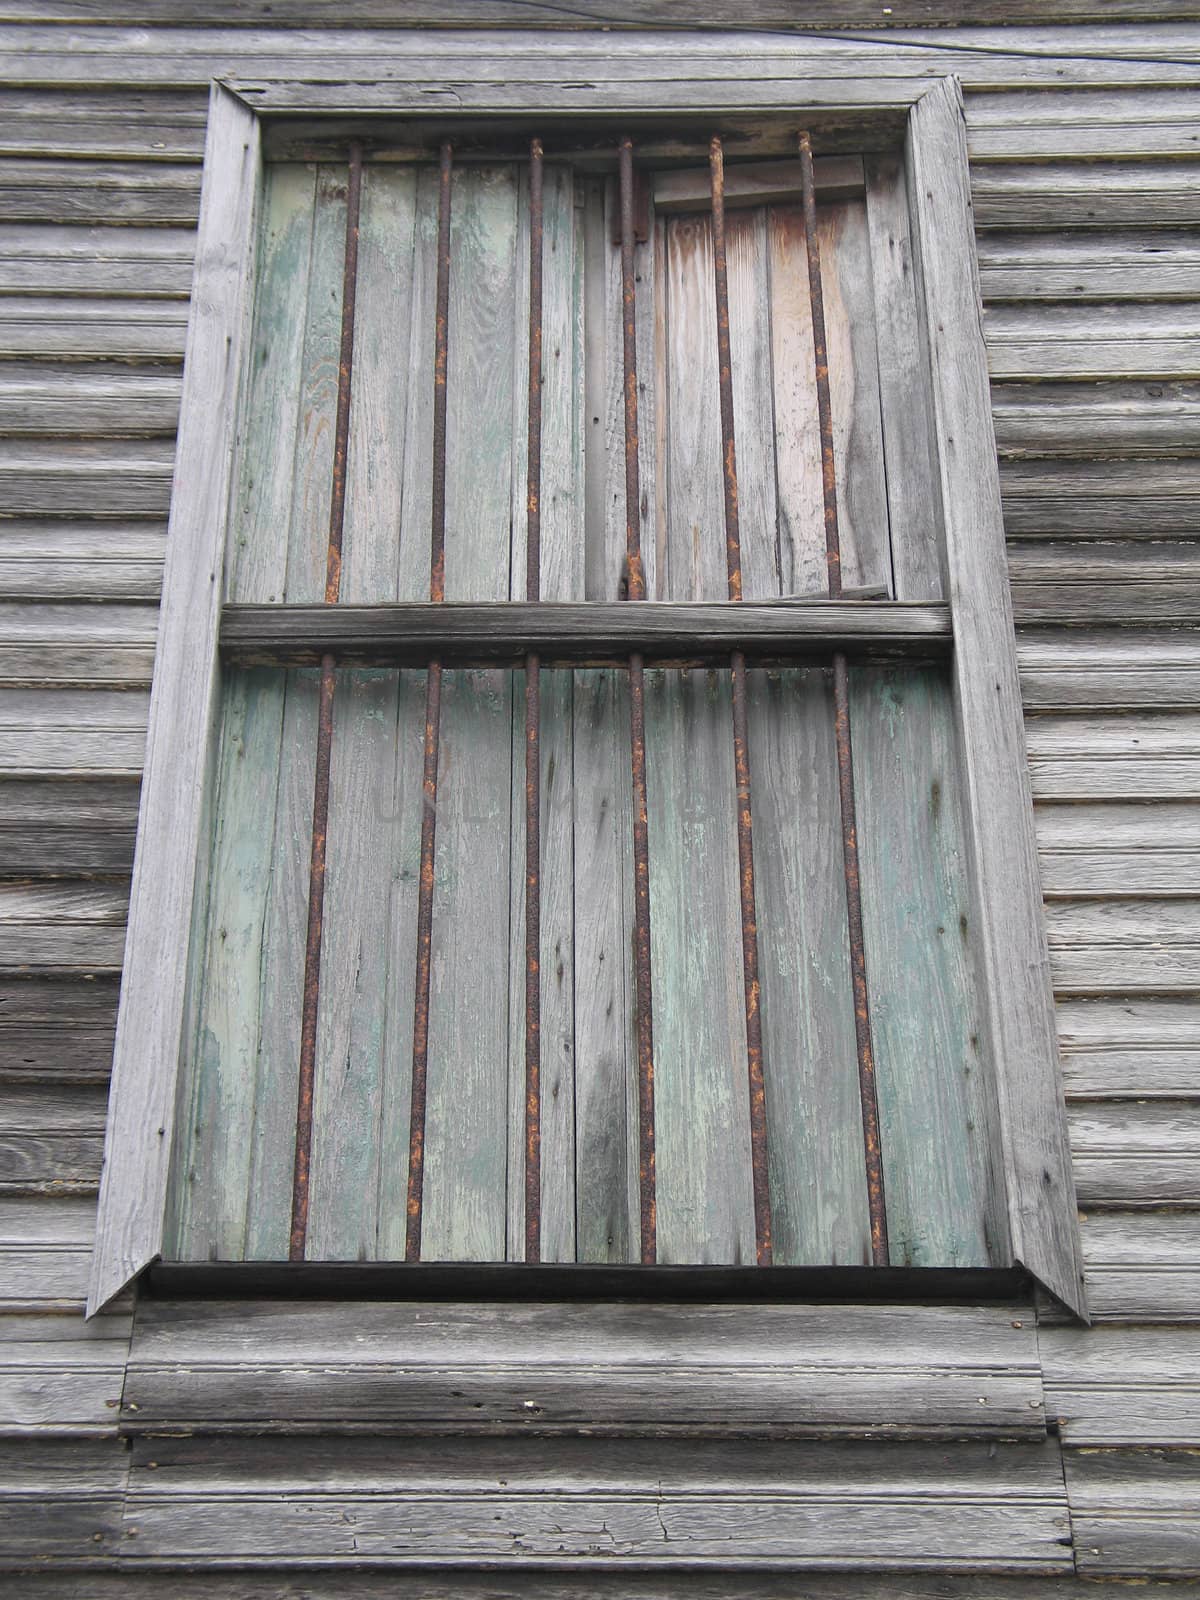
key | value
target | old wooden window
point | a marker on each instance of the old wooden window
(905, 1140)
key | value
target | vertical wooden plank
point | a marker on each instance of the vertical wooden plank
(367, 854)
(142, 1104)
(814, 1126)
(854, 391)
(214, 1154)
(605, 1055)
(930, 1050)
(562, 578)
(994, 773)
(285, 917)
(903, 386)
(466, 1134)
(705, 1203)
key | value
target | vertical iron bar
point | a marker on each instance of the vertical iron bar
(635, 589)
(741, 742)
(320, 823)
(533, 767)
(433, 705)
(868, 1095)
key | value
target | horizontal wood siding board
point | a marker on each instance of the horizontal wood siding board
(299, 634)
(605, 1502)
(61, 1502)
(624, 1368)
(1123, 1385)
(1142, 1266)
(1134, 1512)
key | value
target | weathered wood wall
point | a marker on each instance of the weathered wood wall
(1085, 144)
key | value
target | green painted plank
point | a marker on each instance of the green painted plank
(372, 850)
(466, 1133)
(921, 954)
(814, 1125)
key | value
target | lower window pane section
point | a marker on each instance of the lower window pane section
(235, 1155)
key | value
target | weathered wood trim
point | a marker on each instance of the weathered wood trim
(396, 635)
(142, 1106)
(997, 802)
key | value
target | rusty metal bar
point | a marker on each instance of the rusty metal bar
(741, 742)
(533, 758)
(634, 588)
(320, 824)
(868, 1095)
(433, 707)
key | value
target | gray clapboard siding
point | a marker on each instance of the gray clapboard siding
(1136, 1153)
(114, 478)
(90, 192)
(1119, 849)
(624, 1502)
(52, 927)
(88, 327)
(1099, 499)
(1142, 1266)
(722, 1583)
(63, 259)
(1101, 757)
(1075, 124)
(48, 559)
(113, 125)
(49, 398)
(72, 829)
(1123, 1386)
(591, 1368)
(50, 1138)
(1094, 342)
(191, 56)
(1127, 1046)
(1134, 1511)
(1157, 417)
(1103, 671)
(61, 1500)
(1055, 195)
(60, 1376)
(45, 1249)
(1111, 583)
(1155, 264)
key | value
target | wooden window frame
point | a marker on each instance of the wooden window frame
(1034, 1153)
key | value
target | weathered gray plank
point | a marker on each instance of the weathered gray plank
(149, 1031)
(85, 477)
(1155, 757)
(1130, 1046)
(1119, 849)
(1074, 124)
(51, 398)
(44, 559)
(1127, 584)
(50, 1138)
(60, 1500)
(1103, 419)
(1134, 1511)
(45, 191)
(1122, 1386)
(71, 829)
(1098, 499)
(1125, 264)
(1136, 1153)
(65, 260)
(996, 801)
(1053, 194)
(62, 925)
(1106, 946)
(589, 1368)
(1103, 671)
(87, 327)
(113, 125)
(527, 1500)
(1098, 342)
(1142, 1266)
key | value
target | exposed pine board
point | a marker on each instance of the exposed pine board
(1134, 1511)
(1151, 418)
(990, 1507)
(1122, 1386)
(1125, 1046)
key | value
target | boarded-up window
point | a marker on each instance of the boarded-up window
(234, 1164)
